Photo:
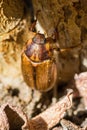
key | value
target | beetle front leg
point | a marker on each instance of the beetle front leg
(55, 88)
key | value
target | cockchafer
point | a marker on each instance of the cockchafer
(39, 63)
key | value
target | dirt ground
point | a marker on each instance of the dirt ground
(69, 19)
(33, 102)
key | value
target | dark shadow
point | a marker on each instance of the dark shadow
(80, 115)
(29, 9)
(14, 92)
(45, 100)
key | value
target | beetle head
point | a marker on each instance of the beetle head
(39, 38)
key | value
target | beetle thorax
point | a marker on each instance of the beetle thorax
(37, 52)
(38, 49)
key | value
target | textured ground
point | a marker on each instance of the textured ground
(69, 18)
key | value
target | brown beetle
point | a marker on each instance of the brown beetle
(39, 65)
(40, 62)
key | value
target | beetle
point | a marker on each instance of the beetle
(39, 65)
(39, 62)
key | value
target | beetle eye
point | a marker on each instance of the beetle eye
(39, 39)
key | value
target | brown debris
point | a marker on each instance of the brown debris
(81, 85)
(12, 118)
(68, 125)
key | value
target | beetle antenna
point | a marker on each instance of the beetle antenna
(70, 48)
(57, 47)
(33, 22)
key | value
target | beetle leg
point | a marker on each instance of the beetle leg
(55, 89)
(72, 47)
(32, 28)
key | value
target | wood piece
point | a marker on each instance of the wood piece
(13, 118)
(52, 115)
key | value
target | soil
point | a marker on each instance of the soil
(69, 19)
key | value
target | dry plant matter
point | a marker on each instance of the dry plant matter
(69, 19)
(81, 85)
(13, 118)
